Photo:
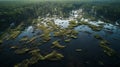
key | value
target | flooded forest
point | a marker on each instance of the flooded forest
(59, 33)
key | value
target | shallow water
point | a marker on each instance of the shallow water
(91, 53)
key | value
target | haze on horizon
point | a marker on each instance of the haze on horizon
(59, 0)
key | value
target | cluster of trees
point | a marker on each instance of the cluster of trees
(105, 10)
(18, 11)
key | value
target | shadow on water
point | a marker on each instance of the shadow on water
(91, 54)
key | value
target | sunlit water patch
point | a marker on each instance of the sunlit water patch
(82, 50)
(62, 23)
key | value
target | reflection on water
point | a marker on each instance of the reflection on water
(29, 29)
(90, 55)
(62, 23)
(27, 32)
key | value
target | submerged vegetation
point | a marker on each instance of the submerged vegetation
(14, 34)
(104, 45)
(54, 56)
(1, 41)
(36, 56)
(56, 44)
(21, 51)
(106, 49)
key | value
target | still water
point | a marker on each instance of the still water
(91, 54)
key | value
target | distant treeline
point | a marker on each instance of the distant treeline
(104, 10)
(16, 12)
